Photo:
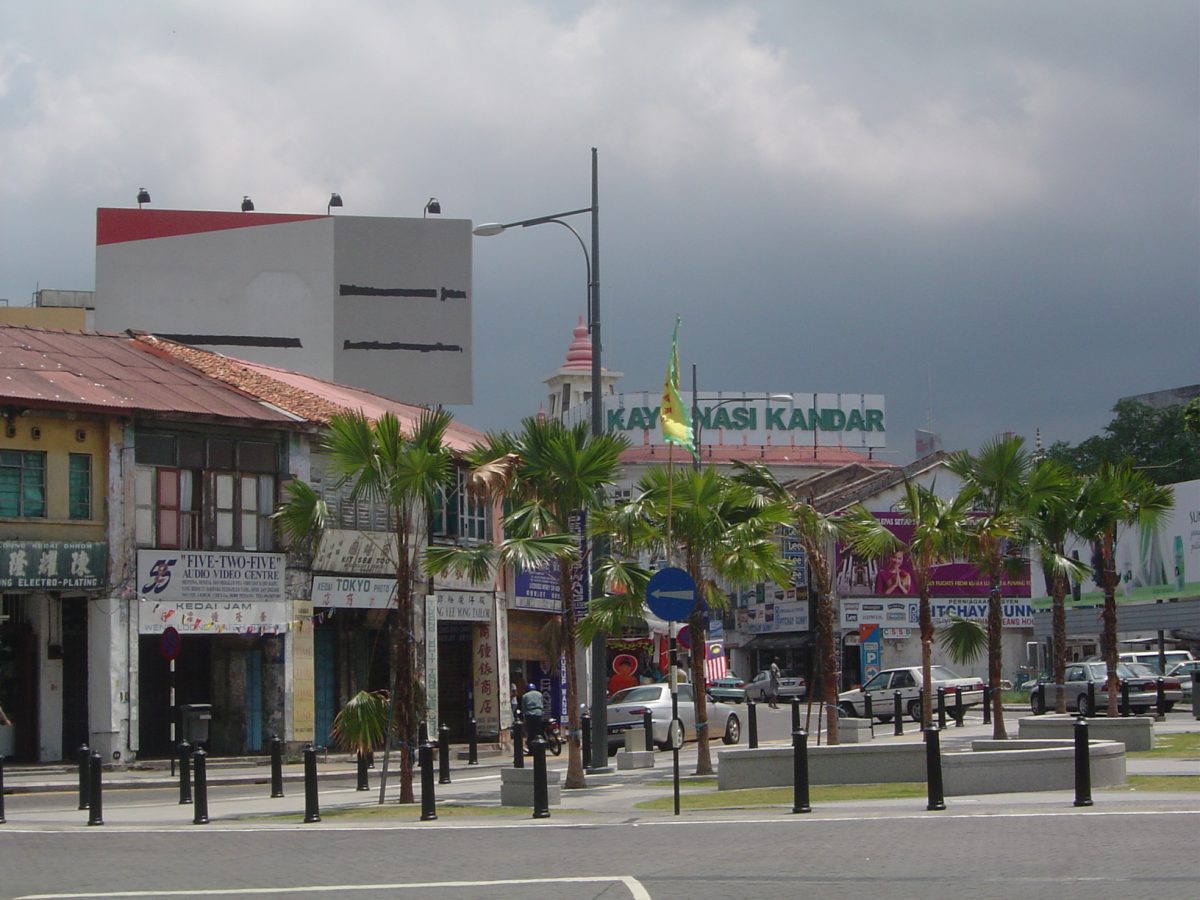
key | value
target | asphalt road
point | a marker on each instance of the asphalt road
(1060, 853)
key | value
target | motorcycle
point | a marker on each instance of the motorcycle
(554, 736)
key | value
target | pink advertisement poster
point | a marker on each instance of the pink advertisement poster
(892, 575)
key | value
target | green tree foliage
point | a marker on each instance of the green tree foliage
(1160, 442)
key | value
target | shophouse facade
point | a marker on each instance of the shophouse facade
(122, 469)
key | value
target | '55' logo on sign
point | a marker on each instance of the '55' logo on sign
(160, 576)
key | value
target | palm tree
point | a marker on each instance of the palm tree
(1050, 508)
(404, 473)
(724, 533)
(940, 530)
(818, 533)
(547, 472)
(1117, 496)
(994, 482)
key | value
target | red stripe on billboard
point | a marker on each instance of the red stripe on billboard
(116, 226)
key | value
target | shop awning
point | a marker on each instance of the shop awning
(784, 640)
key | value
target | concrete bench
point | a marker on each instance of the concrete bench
(516, 787)
(854, 731)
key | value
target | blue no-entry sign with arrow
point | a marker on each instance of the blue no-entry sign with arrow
(671, 594)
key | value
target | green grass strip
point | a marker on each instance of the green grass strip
(1185, 745)
(784, 796)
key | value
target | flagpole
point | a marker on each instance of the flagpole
(670, 492)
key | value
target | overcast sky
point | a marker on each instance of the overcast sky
(987, 210)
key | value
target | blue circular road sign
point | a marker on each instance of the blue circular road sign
(671, 594)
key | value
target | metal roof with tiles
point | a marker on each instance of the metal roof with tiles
(112, 372)
(304, 395)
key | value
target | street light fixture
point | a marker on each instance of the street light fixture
(488, 229)
(698, 429)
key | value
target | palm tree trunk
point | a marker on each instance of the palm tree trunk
(699, 698)
(1058, 624)
(1108, 637)
(827, 642)
(995, 622)
(575, 774)
(402, 665)
(926, 621)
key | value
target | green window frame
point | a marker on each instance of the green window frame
(22, 484)
(80, 486)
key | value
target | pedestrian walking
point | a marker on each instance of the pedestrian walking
(773, 687)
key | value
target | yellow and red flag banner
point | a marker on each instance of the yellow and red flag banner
(673, 417)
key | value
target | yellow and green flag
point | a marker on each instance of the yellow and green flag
(673, 417)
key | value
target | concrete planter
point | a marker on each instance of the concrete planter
(1135, 732)
(990, 767)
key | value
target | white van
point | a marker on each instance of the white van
(1150, 657)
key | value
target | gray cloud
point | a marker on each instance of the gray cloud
(996, 199)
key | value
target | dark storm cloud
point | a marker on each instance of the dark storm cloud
(997, 201)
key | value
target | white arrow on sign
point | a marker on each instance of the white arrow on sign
(674, 595)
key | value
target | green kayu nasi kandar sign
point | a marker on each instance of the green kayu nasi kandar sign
(752, 418)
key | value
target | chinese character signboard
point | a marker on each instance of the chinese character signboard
(53, 565)
(459, 606)
(211, 592)
(487, 679)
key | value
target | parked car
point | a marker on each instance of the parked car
(625, 710)
(907, 680)
(1186, 673)
(1150, 658)
(1142, 681)
(1172, 686)
(790, 685)
(729, 689)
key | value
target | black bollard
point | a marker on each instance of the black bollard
(586, 724)
(1041, 692)
(1161, 699)
(518, 752)
(868, 710)
(752, 719)
(1083, 764)
(541, 793)
(185, 774)
(800, 772)
(2, 819)
(95, 790)
(960, 715)
(897, 713)
(444, 754)
(312, 809)
(363, 784)
(428, 800)
(796, 713)
(987, 704)
(941, 708)
(276, 766)
(200, 764)
(85, 760)
(1125, 711)
(1091, 698)
(472, 742)
(933, 769)
(648, 726)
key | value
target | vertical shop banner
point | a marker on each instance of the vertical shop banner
(580, 580)
(486, 679)
(870, 650)
(431, 665)
(502, 666)
(303, 673)
(562, 693)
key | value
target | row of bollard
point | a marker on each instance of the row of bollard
(1160, 699)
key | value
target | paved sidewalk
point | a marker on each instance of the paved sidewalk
(243, 798)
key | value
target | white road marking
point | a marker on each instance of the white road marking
(636, 891)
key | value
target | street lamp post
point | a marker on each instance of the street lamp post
(697, 428)
(599, 691)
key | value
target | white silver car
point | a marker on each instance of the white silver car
(626, 709)
(882, 688)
